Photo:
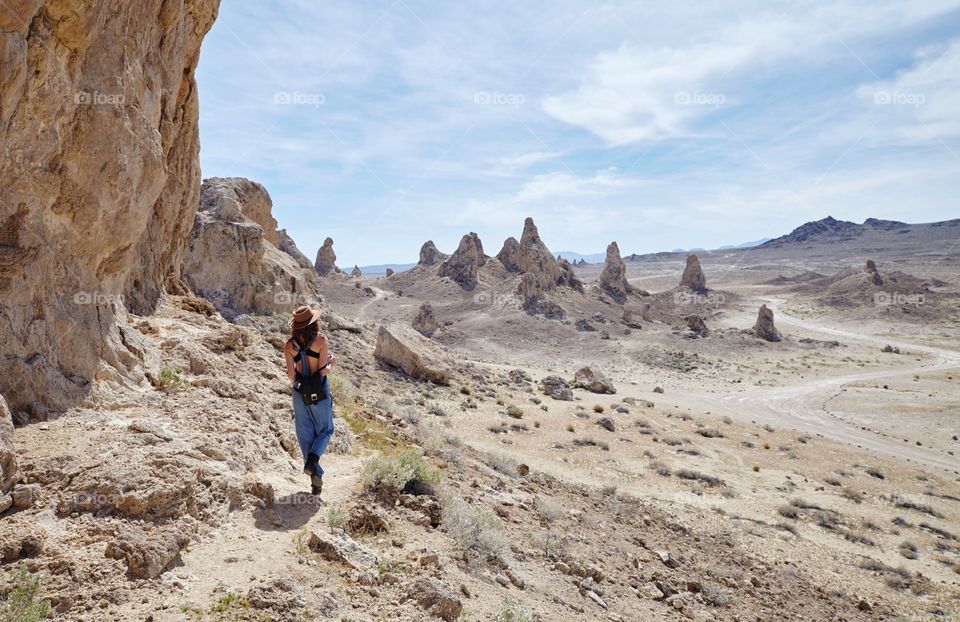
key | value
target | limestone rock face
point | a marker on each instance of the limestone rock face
(395, 353)
(509, 255)
(229, 260)
(764, 327)
(425, 322)
(429, 255)
(287, 245)
(613, 277)
(462, 265)
(239, 194)
(693, 277)
(9, 472)
(100, 182)
(326, 259)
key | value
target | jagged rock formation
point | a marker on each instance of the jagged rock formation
(613, 277)
(593, 381)
(425, 322)
(874, 275)
(693, 277)
(388, 272)
(532, 298)
(288, 246)
(395, 353)
(509, 255)
(356, 272)
(326, 259)
(533, 257)
(230, 260)
(101, 180)
(462, 265)
(764, 327)
(429, 255)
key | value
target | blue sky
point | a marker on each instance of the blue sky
(659, 125)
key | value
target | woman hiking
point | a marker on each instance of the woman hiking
(308, 362)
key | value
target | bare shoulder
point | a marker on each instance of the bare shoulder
(320, 341)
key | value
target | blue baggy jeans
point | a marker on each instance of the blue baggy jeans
(314, 426)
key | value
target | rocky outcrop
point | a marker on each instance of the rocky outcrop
(533, 257)
(533, 300)
(395, 353)
(462, 265)
(339, 547)
(288, 246)
(509, 255)
(764, 327)
(231, 262)
(613, 277)
(696, 326)
(872, 273)
(425, 322)
(9, 472)
(436, 598)
(100, 183)
(326, 259)
(429, 255)
(356, 272)
(693, 277)
(148, 553)
(593, 381)
(388, 272)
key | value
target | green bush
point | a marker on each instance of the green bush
(405, 471)
(513, 611)
(171, 378)
(21, 604)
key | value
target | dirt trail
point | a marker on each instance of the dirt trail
(802, 406)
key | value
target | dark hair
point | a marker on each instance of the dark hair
(307, 334)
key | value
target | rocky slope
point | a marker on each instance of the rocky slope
(101, 180)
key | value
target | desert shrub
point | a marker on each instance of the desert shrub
(875, 472)
(571, 427)
(659, 468)
(472, 529)
(789, 511)
(512, 611)
(21, 604)
(598, 408)
(515, 411)
(672, 441)
(337, 517)
(768, 427)
(406, 471)
(756, 468)
(690, 474)
(853, 495)
(710, 433)
(909, 550)
(907, 504)
(832, 481)
(170, 378)
(501, 464)
(547, 510)
(727, 420)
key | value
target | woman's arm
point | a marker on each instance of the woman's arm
(291, 368)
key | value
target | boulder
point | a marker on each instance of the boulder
(425, 322)
(231, 261)
(326, 262)
(395, 353)
(613, 277)
(388, 272)
(9, 471)
(280, 595)
(593, 381)
(436, 598)
(429, 255)
(149, 553)
(557, 388)
(696, 325)
(606, 423)
(337, 546)
(101, 179)
(462, 265)
(764, 327)
(693, 277)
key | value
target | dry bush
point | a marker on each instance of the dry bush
(710, 433)
(404, 472)
(472, 529)
(690, 474)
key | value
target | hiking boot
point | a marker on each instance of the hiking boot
(316, 484)
(310, 468)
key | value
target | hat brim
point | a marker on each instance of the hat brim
(314, 318)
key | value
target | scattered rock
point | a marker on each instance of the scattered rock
(367, 519)
(557, 388)
(693, 277)
(889, 349)
(395, 353)
(606, 423)
(515, 579)
(279, 595)
(148, 553)
(584, 325)
(764, 327)
(696, 325)
(425, 322)
(326, 262)
(337, 546)
(26, 495)
(593, 381)
(436, 598)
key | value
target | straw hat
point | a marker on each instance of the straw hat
(302, 317)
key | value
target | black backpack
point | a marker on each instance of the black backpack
(312, 386)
